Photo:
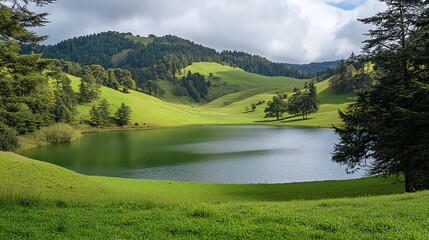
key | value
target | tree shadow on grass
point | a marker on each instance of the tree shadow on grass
(289, 119)
(300, 119)
(274, 120)
(370, 186)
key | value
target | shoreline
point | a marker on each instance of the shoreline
(26, 141)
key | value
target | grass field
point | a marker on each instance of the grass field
(228, 109)
(40, 200)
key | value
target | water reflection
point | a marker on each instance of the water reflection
(229, 154)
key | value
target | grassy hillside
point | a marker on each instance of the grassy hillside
(24, 176)
(230, 109)
(40, 200)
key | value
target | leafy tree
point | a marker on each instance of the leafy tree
(99, 73)
(152, 88)
(8, 140)
(388, 123)
(113, 81)
(304, 103)
(68, 67)
(123, 115)
(276, 107)
(253, 106)
(124, 78)
(89, 88)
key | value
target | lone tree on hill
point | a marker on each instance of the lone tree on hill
(389, 121)
(276, 107)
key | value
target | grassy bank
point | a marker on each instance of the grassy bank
(27, 177)
(40, 200)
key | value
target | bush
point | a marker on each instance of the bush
(180, 91)
(8, 140)
(58, 133)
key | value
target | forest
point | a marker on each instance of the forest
(153, 58)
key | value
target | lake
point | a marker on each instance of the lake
(225, 154)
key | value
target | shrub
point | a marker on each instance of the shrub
(8, 140)
(58, 133)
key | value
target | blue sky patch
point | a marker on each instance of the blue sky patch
(348, 4)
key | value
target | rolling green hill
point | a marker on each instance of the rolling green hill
(228, 109)
(39, 200)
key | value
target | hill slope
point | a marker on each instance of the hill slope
(228, 109)
(39, 200)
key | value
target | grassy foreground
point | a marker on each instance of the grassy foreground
(40, 201)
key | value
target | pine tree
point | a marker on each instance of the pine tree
(26, 99)
(100, 114)
(104, 111)
(388, 123)
(123, 115)
(65, 99)
(94, 115)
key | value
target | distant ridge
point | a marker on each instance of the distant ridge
(152, 57)
(316, 67)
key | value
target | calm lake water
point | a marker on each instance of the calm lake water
(227, 154)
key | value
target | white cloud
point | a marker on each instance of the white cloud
(295, 31)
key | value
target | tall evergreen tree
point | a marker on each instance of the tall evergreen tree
(104, 111)
(65, 99)
(25, 97)
(100, 114)
(388, 123)
(123, 114)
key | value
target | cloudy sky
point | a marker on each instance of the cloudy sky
(293, 31)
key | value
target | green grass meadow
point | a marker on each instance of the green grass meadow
(42, 201)
(39, 200)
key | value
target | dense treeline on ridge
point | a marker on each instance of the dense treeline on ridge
(152, 58)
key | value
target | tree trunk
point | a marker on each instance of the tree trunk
(417, 180)
(409, 182)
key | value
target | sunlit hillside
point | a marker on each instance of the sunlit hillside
(228, 109)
